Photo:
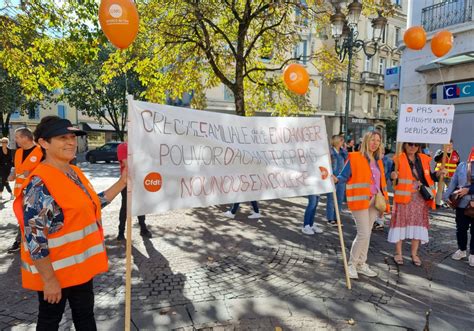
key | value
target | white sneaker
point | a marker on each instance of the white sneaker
(365, 270)
(317, 229)
(471, 260)
(459, 254)
(307, 229)
(352, 271)
(228, 214)
(255, 215)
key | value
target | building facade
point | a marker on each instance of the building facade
(426, 79)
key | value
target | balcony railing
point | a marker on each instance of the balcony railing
(371, 78)
(446, 13)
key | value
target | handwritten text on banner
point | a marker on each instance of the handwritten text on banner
(431, 124)
(185, 158)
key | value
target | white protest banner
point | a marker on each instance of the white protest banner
(183, 158)
(431, 124)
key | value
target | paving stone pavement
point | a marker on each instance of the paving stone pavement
(202, 271)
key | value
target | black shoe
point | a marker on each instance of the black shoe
(14, 248)
(145, 233)
(120, 237)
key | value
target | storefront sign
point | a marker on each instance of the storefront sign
(456, 93)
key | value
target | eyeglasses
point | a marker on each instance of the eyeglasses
(413, 144)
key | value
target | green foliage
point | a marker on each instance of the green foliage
(106, 102)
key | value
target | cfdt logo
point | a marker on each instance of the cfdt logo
(461, 90)
(153, 182)
(115, 11)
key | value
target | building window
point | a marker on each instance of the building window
(15, 115)
(385, 34)
(370, 30)
(301, 50)
(228, 95)
(380, 103)
(62, 111)
(382, 66)
(394, 63)
(397, 2)
(368, 64)
(33, 113)
(397, 36)
(393, 102)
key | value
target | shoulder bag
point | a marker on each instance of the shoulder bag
(469, 210)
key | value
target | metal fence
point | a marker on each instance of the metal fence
(446, 13)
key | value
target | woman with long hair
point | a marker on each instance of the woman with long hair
(364, 175)
(410, 218)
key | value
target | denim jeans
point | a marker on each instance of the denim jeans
(81, 302)
(330, 207)
(235, 207)
(310, 211)
(463, 223)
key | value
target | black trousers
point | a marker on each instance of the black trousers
(81, 302)
(123, 214)
(4, 183)
(462, 226)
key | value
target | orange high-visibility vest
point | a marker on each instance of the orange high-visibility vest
(404, 188)
(77, 251)
(33, 159)
(450, 164)
(358, 186)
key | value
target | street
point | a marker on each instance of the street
(202, 271)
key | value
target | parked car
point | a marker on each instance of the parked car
(107, 153)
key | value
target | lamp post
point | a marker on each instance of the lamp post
(345, 34)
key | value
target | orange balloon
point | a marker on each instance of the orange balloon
(415, 37)
(296, 78)
(119, 21)
(442, 43)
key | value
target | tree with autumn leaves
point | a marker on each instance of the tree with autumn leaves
(182, 46)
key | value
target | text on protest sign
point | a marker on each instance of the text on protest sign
(431, 124)
(183, 158)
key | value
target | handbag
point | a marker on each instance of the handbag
(454, 200)
(380, 203)
(426, 192)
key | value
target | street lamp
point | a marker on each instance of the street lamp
(345, 34)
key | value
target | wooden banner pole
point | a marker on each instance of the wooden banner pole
(341, 239)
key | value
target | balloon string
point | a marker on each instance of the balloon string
(423, 97)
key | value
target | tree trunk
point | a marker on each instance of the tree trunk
(239, 99)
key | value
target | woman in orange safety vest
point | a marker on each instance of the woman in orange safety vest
(364, 174)
(410, 218)
(59, 215)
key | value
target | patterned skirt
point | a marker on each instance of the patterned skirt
(410, 221)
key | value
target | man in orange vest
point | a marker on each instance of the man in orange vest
(27, 157)
(450, 164)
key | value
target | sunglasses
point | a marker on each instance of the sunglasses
(413, 144)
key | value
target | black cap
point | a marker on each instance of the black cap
(59, 128)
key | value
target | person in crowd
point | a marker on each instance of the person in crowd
(462, 186)
(122, 152)
(308, 221)
(364, 176)
(6, 164)
(358, 145)
(350, 145)
(233, 210)
(338, 157)
(410, 218)
(59, 214)
(27, 157)
(451, 162)
(425, 149)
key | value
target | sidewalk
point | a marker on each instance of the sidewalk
(202, 271)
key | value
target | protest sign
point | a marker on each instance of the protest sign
(182, 158)
(431, 124)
